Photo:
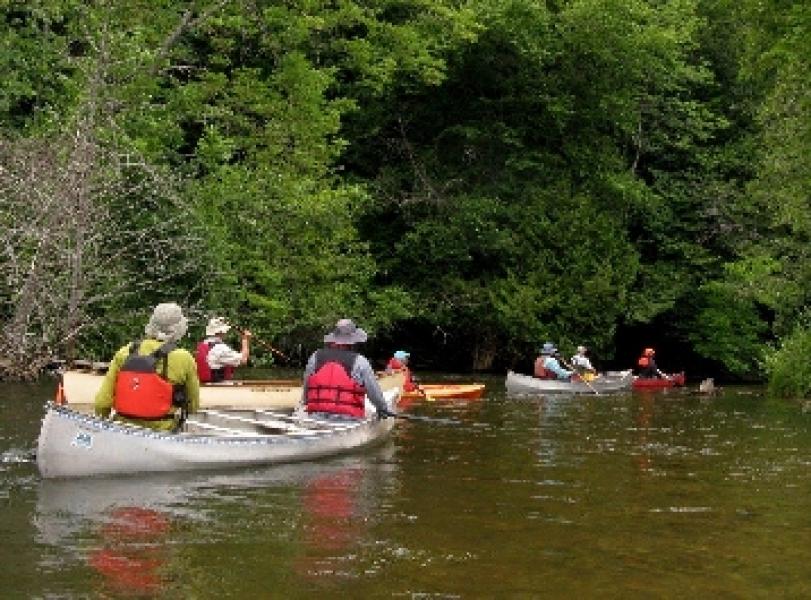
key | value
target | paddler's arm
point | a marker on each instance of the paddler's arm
(104, 397)
(192, 386)
(362, 371)
(308, 370)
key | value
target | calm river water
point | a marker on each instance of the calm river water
(668, 495)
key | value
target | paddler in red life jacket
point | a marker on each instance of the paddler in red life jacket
(151, 383)
(337, 379)
(216, 360)
(647, 366)
(547, 365)
(399, 362)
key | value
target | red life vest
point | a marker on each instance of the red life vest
(542, 372)
(206, 373)
(644, 361)
(331, 388)
(408, 382)
(140, 392)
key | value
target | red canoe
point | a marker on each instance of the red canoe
(654, 383)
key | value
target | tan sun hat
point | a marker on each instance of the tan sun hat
(167, 323)
(217, 325)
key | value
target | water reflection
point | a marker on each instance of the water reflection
(132, 553)
(644, 420)
(333, 521)
(133, 533)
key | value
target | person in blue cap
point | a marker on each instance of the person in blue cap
(399, 362)
(548, 367)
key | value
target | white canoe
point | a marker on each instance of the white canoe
(72, 444)
(518, 384)
(80, 388)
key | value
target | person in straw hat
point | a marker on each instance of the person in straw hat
(216, 360)
(337, 379)
(150, 382)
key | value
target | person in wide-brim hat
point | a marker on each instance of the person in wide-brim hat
(547, 365)
(346, 333)
(338, 380)
(166, 326)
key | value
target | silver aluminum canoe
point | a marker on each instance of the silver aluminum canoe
(73, 444)
(518, 384)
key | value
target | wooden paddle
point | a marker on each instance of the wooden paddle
(261, 342)
(410, 417)
(591, 387)
(571, 368)
(271, 348)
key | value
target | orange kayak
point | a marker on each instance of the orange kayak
(441, 391)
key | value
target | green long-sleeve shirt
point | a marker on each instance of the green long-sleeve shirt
(181, 371)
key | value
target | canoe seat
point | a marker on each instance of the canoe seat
(315, 423)
(260, 424)
(217, 430)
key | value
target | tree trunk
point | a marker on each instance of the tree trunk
(484, 353)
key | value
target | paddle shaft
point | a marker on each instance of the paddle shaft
(571, 368)
(263, 343)
(410, 417)
(591, 387)
(272, 349)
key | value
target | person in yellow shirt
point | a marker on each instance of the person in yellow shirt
(151, 383)
(582, 365)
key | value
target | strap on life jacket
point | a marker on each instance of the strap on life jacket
(140, 391)
(204, 371)
(331, 389)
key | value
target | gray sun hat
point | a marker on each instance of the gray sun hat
(548, 349)
(167, 323)
(346, 332)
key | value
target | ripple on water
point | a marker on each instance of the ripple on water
(17, 456)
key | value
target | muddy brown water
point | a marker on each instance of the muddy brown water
(657, 495)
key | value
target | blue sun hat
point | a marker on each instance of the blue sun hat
(548, 349)
(401, 355)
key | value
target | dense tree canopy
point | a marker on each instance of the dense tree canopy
(470, 179)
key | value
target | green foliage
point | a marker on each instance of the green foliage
(728, 328)
(37, 59)
(788, 366)
(502, 171)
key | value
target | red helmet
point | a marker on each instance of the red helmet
(649, 352)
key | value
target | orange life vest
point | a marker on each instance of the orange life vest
(644, 361)
(331, 388)
(140, 392)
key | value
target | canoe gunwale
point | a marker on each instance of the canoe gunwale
(246, 438)
(527, 385)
